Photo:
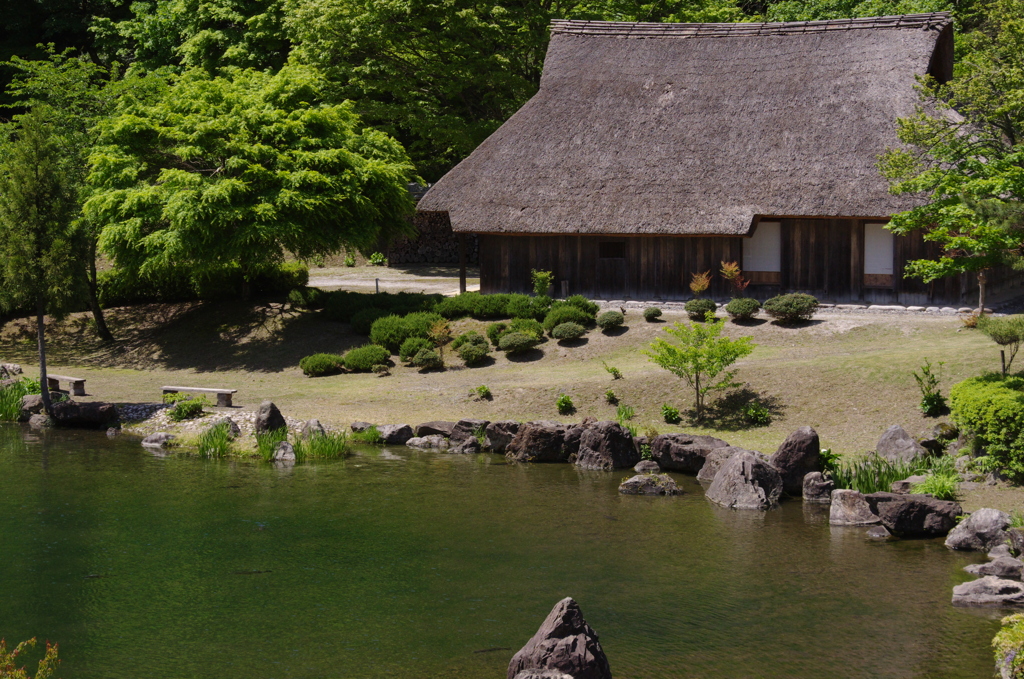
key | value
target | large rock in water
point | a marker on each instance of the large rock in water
(564, 642)
(914, 515)
(683, 452)
(746, 481)
(981, 531)
(435, 428)
(573, 434)
(498, 435)
(467, 429)
(161, 439)
(849, 508)
(395, 434)
(607, 446)
(538, 442)
(798, 456)
(543, 674)
(650, 484)
(31, 404)
(989, 591)
(1004, 567)
(716, 458)
(91, 415)
(897, 444)
(269, 418)
(818, 488)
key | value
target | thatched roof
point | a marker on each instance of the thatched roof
(699, 128)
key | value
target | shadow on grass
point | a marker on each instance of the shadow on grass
(749, 322)
(616, 332)
(485, 362)
(796, 325)
(733, 412)
(526, 356)
(573, 343)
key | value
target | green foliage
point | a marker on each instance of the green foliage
(742, 308)
(472, 347)
(991, 408)
(215, 441)
(568, 331)
(326, 446)
(475, 305)
(483, 392)
(610, 397)
(381, 369)
(542, 281)
(320, 365)
(645, 452)
(872, 474)
(756, 414)
(517, 342)
(428, 359)
(612, 370)
(940, 486)
(700, 356)
(565, 405)
(1006, 331)
(9, 661)
(411, 347)
(670, 414)
(185, 407)
(377, 259)
(933, 403)
(792, 307)
(583, 304)
(369, 435)
(362, 359)
(624, 412)
(1017, 519)
(349, 261)
(524, 306)
(266, 443)
(528, 326)
(651, 314)
(390, 332)
(363, 320)
(698, 309)
(495, 331)
(307, 298)
(610, 320)
(562, 312)
(1008, 646)
(10, 400)
(342, 305)
(829, 461)
(239, 169)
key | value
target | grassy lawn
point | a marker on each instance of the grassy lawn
(848, 376)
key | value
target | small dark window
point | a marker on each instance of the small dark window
(611, 250)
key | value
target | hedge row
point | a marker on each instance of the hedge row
(117, 287)
(992, 408)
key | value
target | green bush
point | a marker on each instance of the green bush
(187, 408)
(390, 332)
(939, 486)
(281, 278)
(341, 305)
(362, 359)
(1008, 646)
(756, 414)
(362, 321)
(319, 365)
(698, 309)
(527, 325)
(266, 443)
(495, 331)
(542, 281)
(517, 342)
(566, 313)
(651, 314)
(791, 308)
(427, 359)
(483, 392)
(610, 397)
(583, 304)
(670, 414)
(420, 322)
(565, 405)
(369, 435)
(872, 474)
(610, 320)
(11, 395)
(377, 259)
(411, 347)
(215, 441)
(321, 446)
(480, 307)
(307, 298)
(524, 306)
(742, 308)
(472, 347)
(991, 408)
(568, 331)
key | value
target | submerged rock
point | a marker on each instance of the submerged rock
(798, 456)
(1005, 567)
(543, 674)
(89, 415)
(818, 488)
(914, 515)
(991, 592)
(284, 452)
(573, 433)
(849, 508)
(468, 447)
(434, 441)
(650, 484)
(718, 457)
(606, 446)
(564, 642)
(435, 428)
(498, 435)
(160, 439)
(467, 429)
(646, 467)
(269, 418)
(542, 441)
(683, 452)
(981, 531)
(746, 481)
(897, 444)
(879, 533)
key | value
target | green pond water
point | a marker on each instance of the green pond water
(405, 564)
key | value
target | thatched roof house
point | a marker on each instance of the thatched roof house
(643, 133)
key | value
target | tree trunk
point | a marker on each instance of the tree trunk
(94, 299)
(41, 336)
(981, 292)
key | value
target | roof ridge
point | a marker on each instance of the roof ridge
(637, 29)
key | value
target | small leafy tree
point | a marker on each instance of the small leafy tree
(9, 670)
(440, 334)
(542, 281)
(700, 356)
(933, 403)
(699, 283)
(1007, 332)
(732, 273)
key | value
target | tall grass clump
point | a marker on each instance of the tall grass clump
(215, 441)
(872, 474)
(321, 446)
(369, 435)
(10, 399)
(266, 443)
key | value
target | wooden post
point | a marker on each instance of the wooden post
(462, 262)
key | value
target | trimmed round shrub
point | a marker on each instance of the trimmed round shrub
(742, 308)
(652, 313)
(495, 331)
(519, 306)
(420, 322)
(583, 304)
(610, 319)
(319, 365)
(474, 352)
(790, 308)
(566, 313)
(568, 331)
(517, 342)
(991, 408)
(473, 304)
(411, 346)
(527, 325)
(362, 359)
(427, 359)
(389, 332)
(697, 309)
(362, 321)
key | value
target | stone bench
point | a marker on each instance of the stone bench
(76, 384)
(223, 395)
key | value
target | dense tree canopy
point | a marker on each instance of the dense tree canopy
(239, 169)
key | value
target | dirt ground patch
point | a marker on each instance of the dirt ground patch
(847, 375)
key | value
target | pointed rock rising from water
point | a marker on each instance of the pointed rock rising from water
(564, 642)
